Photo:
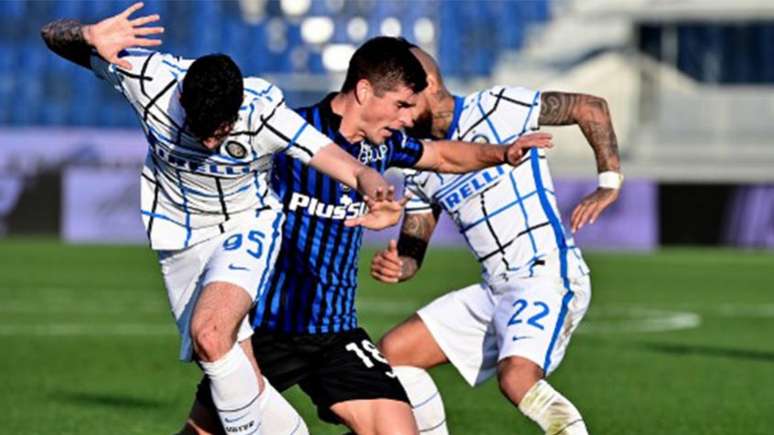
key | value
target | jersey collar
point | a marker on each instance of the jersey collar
(326, 111)
(458, 103)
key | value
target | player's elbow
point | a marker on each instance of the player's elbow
(594, 108)
(45, 34)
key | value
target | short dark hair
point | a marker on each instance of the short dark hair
(212, 94)
(386, 62)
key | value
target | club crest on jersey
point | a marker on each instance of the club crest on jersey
(480, 138)
(369, 154)
(236, 150)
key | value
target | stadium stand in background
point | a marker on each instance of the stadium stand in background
(301, 41)
(689, 83)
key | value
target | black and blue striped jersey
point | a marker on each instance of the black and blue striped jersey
(312, 289)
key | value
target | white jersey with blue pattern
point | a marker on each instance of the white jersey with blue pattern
(188, 193)
(507, 214)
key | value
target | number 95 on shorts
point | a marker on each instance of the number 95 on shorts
(245, 257)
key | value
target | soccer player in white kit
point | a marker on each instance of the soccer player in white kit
(206, 203)
(518, 321)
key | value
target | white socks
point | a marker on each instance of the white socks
(551, 411)
(279, 417)
(426, 402)
(235, 392)
(241, 408)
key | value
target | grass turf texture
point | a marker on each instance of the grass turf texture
(89, 347)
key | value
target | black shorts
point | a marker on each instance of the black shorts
(329, 368)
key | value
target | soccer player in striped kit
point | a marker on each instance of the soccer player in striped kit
(207, 206)
(306, 324)
(535, 290)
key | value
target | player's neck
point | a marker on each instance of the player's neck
(344, 105)
(443, 113)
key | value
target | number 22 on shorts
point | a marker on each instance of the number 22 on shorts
(534, 320)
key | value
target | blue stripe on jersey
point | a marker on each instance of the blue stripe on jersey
(261, 93)
(561, 243)
(519, 201)
(459, 102)
(313, 286)
(274, 236)
(524, 210)
(488, 121)
(172, 65)
(451, 186)
(163, 217)
(557, 328)
(295, 137)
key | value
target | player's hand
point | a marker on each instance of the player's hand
(386, 266)
(516, 150)
(118, 32)
(592, 206)
(383, 210)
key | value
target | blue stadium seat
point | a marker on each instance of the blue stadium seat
(487, 29)
(13, 9)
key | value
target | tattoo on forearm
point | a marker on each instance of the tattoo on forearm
(598, 129)
(414, 238)
(420, 225)
(411, 247)
(409, 268)
(592, 116)
(65, 38)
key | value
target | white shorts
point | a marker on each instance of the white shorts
(243, 256)
(533, 318)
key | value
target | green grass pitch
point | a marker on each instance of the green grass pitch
(675, 342)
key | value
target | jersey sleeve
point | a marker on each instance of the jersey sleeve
(413, 183)
(147, 66)
(523, 108)
(280, 129)
(406, 151)
(287, 132)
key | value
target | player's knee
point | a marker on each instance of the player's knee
(210, 341)
(516, 376)
(391, 347)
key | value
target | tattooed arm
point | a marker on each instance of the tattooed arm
(65, 38)
(591, 114)
(402, 259)
(74, 41)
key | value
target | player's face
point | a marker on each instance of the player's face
(383, 114)
(423, 118)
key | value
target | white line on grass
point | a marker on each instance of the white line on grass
(627, 320)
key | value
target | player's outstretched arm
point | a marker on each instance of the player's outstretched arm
(402, 259)
(337, 163)
(592, 115)
(383, 209)
(74, 41)
(460, 157)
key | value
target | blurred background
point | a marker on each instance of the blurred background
(689, 83)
